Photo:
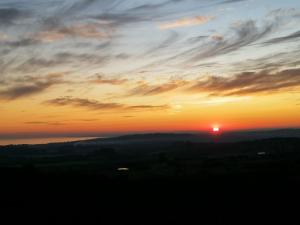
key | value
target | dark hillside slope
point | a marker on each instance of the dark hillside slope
(165, 181)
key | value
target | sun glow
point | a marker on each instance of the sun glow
(215, 129)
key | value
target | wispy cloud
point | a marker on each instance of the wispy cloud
(100, 79)
(10, 16)
(272, 62)
(290, 37)
(83, 31)
(45, 123)
(86, 103)
(35, 63)
(28, 86)
(150, 7)
(248, 83)
(184, 22)
(232, 1)
(217, 37)
(169, 41)
(96, 105)
(3, 36)
(147, 107)
(241, 35)
(145, 89)
(23, 42)
(114, 20)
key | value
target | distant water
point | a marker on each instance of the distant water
(18, 141)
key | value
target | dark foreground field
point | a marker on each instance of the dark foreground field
(170, 180)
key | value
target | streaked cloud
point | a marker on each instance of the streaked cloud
(35, 63)
(240, 35)
(232, 1)
(96, 105)
(217, 37)
(248, 83)
(100, 79)
(23, 42)
(51, 123)
(289, 37)
(184, 22)
(10, 16)
(169, 41)
(82, 31)
(81, 102)
(28, 85)
(145, 89)
(3, 36)
(114, 20)
(147, 107)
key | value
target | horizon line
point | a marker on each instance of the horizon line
(27, 135)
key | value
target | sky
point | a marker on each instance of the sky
(114, 66)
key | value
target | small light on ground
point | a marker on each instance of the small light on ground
(261, 153)
(123, 169)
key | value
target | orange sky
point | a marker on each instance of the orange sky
(266, 111)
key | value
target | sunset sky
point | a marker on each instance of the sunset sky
(111, 66)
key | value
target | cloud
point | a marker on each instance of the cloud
(99, 79)
(96, 105)
(83, 31)
(272, 62)
(134, 14)
(9, 16)
(196, 39)
(151, 7)
(290, 37)
(63, 58)
(232, 1)
(44, 123)
(3, 36)
(148, 107)
(248, 83)
(122, 56)
(217, 37)
(184, 22)
(241, 34)
(89, 58)
(33, 64)
(146, 89)
(29, 85)
(170, 40)
(24, 42)
(114, 20)
(86, 103)
(78, 6)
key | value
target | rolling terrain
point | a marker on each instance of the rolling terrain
(153, 179)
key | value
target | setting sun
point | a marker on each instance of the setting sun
(216, 129)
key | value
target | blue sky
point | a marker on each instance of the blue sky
(128, 33)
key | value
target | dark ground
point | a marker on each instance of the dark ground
(179, 182)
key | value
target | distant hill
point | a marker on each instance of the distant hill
(235, 136)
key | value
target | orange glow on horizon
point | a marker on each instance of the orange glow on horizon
(18, 118)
